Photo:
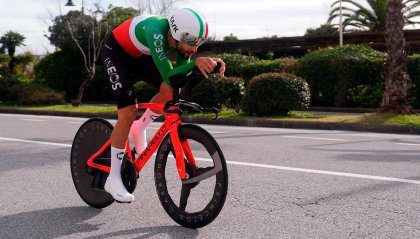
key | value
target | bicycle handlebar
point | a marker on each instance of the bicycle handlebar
(188, 81)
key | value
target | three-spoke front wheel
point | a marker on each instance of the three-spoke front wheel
(197, 201)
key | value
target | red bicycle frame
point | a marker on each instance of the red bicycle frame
(171, 124)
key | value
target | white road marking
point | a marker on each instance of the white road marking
(75, 122)
(37, 120)
(408, 144)
(36, 142)
(302, 170)
(315, 138)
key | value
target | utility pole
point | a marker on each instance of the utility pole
(341, 23)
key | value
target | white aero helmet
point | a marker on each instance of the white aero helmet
(189, 26)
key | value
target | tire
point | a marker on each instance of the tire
(208, 197)
(90, 137)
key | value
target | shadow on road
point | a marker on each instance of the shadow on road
(174, 232)
(61, 222)
(49, 223)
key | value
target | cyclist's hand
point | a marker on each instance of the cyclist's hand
(205, 65)
(222, 68)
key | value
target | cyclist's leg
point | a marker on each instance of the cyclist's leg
(114, 60)
(147, 70)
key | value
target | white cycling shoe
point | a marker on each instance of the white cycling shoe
(115, 187)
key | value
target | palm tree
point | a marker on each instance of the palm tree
(10, 40)
(373, 16)
(397, 80)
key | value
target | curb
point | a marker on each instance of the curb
(394, 129)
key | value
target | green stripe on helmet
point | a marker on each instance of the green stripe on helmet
(200, 34)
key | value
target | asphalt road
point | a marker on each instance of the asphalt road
(284, 183)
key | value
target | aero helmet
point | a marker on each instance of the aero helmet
(189, 26)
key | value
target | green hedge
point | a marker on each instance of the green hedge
(275, 94)
(413, 66)
(234, 63)
(229, 92)
(144, 91)
(254, 68)
(332, 73)
(219, 92)
(246, 67)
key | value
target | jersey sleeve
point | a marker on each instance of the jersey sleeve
(158, 46)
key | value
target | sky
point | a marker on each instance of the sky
(246, 19)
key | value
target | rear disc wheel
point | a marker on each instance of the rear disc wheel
(89, 183)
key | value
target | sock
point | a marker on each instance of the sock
(117, 156)
(138, 129)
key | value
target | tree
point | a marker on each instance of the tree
(324, 29)
(81, 26)
(230, 37)
(85, 34)
(397, 80)
(116, 15)
(373, 17)
(9, 42)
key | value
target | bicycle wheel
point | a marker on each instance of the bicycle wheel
(196, 202)
(90, 137)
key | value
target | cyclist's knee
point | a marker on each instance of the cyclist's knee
(166, 91)
(127, 114)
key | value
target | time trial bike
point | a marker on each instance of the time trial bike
(190, 172)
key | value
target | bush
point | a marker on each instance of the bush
(275, 93)
(413, 66)
(332, 72)
(6, 96)
(205, 94)
(144, 91)
(230, 91)
(61, 71)
(368, 96)
(254, 68)
(33, 94)
(234, 62)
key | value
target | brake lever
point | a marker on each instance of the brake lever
(212, 110)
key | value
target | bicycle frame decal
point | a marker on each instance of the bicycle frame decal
(171, 124)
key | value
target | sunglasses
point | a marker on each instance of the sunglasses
(192, 40)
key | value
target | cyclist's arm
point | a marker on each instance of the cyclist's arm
(158, 49)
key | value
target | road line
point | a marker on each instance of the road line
(37, 120)
(300, 137)
(408, 144)
(36, 142)
(302, 170)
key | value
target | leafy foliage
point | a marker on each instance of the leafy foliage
(230, 37)
(62, 71)
(275, 93)
(81, 25)
(230, 91)
(331, 72)
(324, 29)
(373, 17)
(144, 91)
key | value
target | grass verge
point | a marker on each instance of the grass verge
(368, 118)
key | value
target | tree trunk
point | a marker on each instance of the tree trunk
(397, 80)
(86, 82)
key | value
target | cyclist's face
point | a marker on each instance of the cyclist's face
(186, 50)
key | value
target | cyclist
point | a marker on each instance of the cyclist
(138, 50)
